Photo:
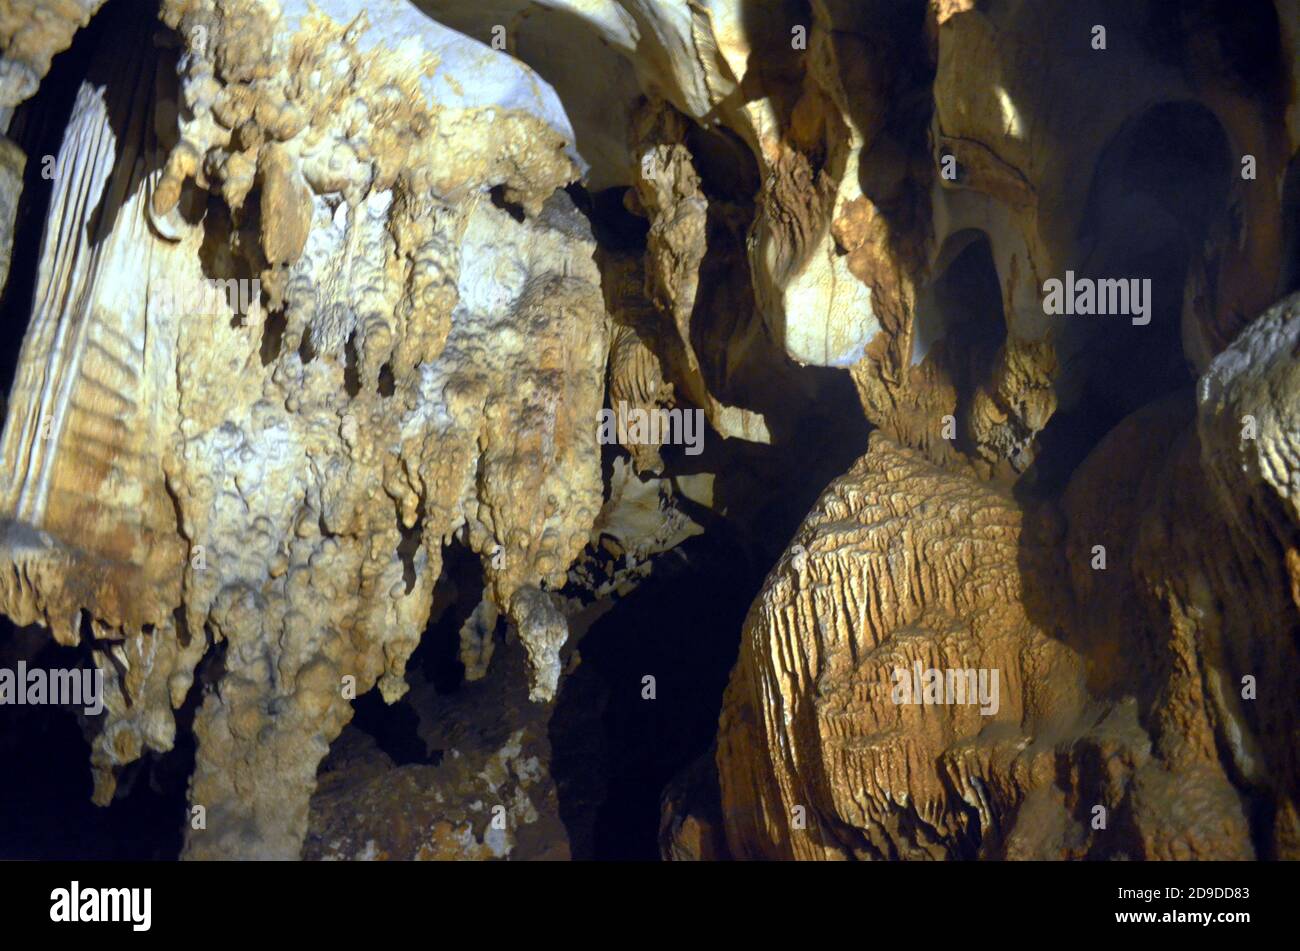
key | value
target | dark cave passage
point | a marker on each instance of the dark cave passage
(1290, 278)
(619, 739)
(435, 663)
(1158, 187)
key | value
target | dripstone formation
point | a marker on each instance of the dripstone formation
(320, 304)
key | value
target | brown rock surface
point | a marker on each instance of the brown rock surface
(210, 481)
(31, 33)
(897, 564)
(328, 301)
(1142, 671)
(489, 796)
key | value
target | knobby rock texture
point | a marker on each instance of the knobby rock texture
(320, 304)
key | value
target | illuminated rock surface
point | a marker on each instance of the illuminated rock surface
(320, 305)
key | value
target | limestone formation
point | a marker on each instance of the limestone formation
(1166, 632)
(322, 304)
(12, 164)
(31, 33)
(898, 568)
(275, 480)
(489, 795)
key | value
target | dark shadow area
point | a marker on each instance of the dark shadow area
(273, 337)
(681, 628)
(231, 248)
(1245, 35)
(351, 375)
(778, 33)
(457, 593)
(46, 811)
(1290, 278)
(614, 227)
(497, 195)
(395, 728)
(1157, 188)
(960, 317)
(727, 168)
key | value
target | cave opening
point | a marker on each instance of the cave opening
(1157, 188)
(727, 168)
(739, 359)
(960, 317)
(614, 227)
(434, 668)
(458, 591)
(962, 308)
(497, 195)
(351, 374)
(273, 338)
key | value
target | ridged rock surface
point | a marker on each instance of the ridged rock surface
(898, 563)
(325, 290)
(1156, 683)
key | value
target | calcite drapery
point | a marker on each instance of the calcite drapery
(272, 481)
(1163, 677)
(315, 298)
(898, 563)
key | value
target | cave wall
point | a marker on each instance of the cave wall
(324, 289)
